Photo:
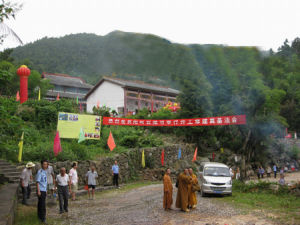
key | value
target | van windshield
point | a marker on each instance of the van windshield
(216, 171)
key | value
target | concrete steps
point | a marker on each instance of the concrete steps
(9, 171)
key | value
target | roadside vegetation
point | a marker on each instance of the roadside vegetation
(266, 199)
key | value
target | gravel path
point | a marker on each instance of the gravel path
(143, 206)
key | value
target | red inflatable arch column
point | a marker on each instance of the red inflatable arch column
(23, 72)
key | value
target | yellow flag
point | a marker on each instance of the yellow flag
(21, 148)
(39, 98)
(222, 150)
(143, 159)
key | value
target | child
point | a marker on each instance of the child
(91, 181)
(269, 171)
(282, 181)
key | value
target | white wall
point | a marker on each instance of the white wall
(108, 94)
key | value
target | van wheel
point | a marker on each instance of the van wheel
(203, 194)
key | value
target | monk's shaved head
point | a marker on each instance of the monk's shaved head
(190, 171)
(186, 171)
(168, 171)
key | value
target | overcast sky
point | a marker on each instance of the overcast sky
(263, 23)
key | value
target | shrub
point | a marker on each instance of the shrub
(261, 186)
(130, 141)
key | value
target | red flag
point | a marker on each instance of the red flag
(111, 142)
(195, 155)
(18, 96)
(80, 107)
(98, 104)
(162, 157)
(57, 146)
(57, 97)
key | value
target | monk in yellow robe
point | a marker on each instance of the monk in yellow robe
(192, 194)
(168, 190)
(184, 180)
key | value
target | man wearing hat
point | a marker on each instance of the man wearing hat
(25, 178)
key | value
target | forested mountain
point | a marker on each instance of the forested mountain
(146, 57)
(220, 74)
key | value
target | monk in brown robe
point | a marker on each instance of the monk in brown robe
(192, 194)
(168, 190)
(182, 194)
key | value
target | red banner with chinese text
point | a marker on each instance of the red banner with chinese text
(209, 121)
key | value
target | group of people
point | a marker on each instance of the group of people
(65, 184)
(260, 171)
(187, 184)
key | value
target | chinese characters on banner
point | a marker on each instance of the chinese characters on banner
(210, 121)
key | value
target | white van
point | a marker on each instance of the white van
(215, 178)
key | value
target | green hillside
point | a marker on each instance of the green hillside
(136, 56)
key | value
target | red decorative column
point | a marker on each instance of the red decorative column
(23, 72)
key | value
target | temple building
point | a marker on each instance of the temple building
(66, 86)
(127, 97)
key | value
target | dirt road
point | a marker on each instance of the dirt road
(143, 206)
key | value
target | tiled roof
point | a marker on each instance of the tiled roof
(66, 80)
(65, 94)
(136, 85)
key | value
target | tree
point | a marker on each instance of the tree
(8, 10)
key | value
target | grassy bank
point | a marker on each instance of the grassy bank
(259, 198)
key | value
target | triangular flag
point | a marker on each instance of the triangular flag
(143, 159)
(179, 153)
(111, 142)
(17, 96)
(57, 97)
(56, 146)
(98, 104)
(81, 136)
(195, 155)
(21, 148)
(77, 100)
(162, 157)
(39, 97)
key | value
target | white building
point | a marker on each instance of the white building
(128, 97)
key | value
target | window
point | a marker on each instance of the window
(145, 96)
(58, 88)
(160, 98)
(132, 94)
(82, 90)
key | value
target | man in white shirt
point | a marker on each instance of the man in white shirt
(25, 178)
(63, 187)
(50, 179)
(74, 180)
(91, 181)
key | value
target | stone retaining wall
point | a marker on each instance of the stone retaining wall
(8, 203)
(130, 164)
